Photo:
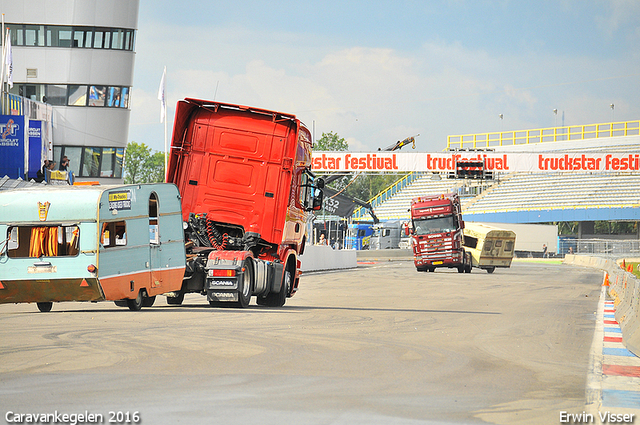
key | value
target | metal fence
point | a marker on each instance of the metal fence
(543, 135)
(600, 246)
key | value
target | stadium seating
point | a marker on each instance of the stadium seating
(519, 191)
(543, 191)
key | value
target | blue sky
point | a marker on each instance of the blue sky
(376, 72)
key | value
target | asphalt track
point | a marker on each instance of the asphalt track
(380, 344)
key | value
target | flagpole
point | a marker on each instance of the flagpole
(4, 47)
(166, 143)
(163, 117)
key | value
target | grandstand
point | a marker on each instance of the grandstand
(531, 197)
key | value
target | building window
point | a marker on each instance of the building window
(124, 100)
(59, 36)
(97, 95)
(73, 95)
(77, 96)
(34, 35)
(87, 161)
(113, 97)
(55, 94)
(75, 37)
(82, 37)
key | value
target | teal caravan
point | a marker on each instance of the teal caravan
(90, 243)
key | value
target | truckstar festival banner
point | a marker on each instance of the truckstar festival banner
(575, 162)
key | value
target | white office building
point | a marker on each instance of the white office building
(78, 56)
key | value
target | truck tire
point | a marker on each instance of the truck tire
(491, 269)
(469, 264)
(278, 300)
(245, 286)
(45, 307)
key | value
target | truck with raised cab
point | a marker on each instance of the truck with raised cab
(244, 175)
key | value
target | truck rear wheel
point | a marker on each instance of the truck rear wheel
(245, 285)
(278, 300)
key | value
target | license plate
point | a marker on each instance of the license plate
(435, 263)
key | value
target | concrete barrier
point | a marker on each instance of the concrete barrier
(385, 255)
(624, 289)
(323, 257)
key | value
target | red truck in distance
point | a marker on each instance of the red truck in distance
(437, 233)
(244, 175)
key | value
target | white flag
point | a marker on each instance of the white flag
(161, 95)
(8, 60)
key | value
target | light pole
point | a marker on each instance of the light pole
(612, 106)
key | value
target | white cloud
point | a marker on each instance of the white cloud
(372, 97)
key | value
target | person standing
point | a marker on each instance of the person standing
(64, 164)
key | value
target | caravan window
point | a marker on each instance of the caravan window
(43, 241)
(114, 234)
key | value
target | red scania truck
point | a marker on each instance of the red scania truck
(437, 233)
(244, 176)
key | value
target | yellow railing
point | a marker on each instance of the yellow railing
(544, 135)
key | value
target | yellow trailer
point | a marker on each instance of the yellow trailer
(490, 247)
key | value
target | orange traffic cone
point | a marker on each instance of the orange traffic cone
(606, 280)
(630, 268)
(624, 264)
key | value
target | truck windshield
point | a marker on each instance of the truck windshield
(428, 226)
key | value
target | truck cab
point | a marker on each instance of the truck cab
(358, 236)
(437, 233)
(245, 177)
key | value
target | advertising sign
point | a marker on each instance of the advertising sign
(36, 158)
(573, 162)
(120, 200)
(12, 146)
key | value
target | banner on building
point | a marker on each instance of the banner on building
(398, 162)
(12, 147)
(37, 148)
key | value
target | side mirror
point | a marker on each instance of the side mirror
(320, 183)
(318, 198)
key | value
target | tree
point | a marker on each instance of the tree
(331, 142)
(364, 186)
(141, 166)
(154, 172)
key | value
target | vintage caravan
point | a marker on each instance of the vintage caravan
(490, 247)
(90, 243)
